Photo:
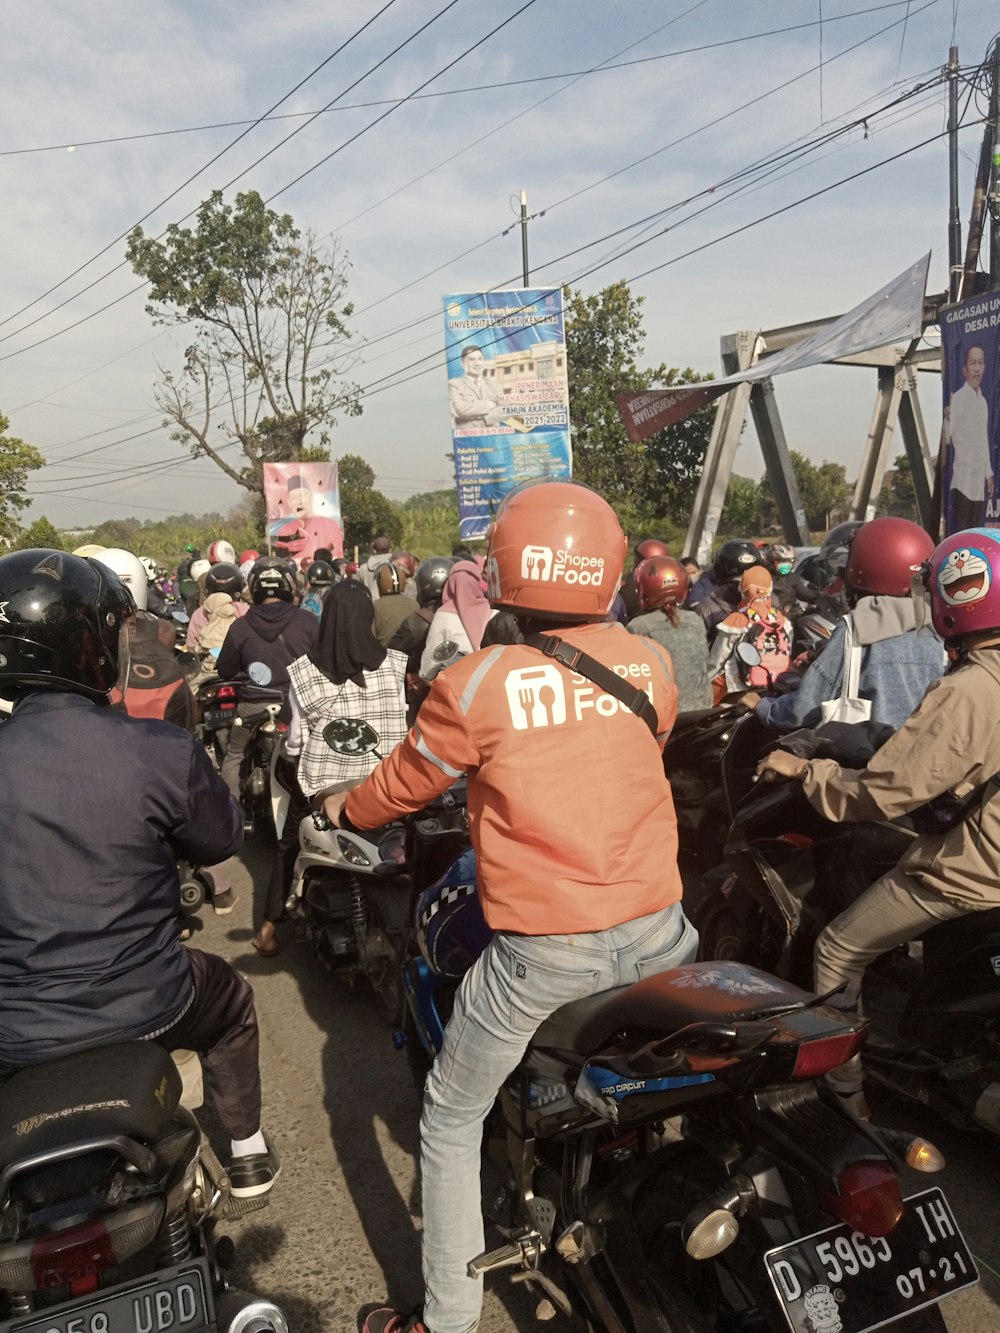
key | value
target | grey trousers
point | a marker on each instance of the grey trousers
(896, 909)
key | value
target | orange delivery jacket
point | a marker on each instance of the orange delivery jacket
(570, 811)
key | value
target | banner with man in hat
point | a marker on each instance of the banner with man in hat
(302, 501)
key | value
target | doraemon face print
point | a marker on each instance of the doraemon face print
(964, 577)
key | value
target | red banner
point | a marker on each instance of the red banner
(303, 508)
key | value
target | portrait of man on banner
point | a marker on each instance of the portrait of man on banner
(303, 508)
(970, 434)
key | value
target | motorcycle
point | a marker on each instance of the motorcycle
(345, 888)
(934, 1004)
(110, 1199)
(225, 704)
(669, 1157)
(693, 762)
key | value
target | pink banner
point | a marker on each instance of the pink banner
(302, 501)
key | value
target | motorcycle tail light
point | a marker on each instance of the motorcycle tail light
(76, 1256)
(817, 1057)
(868, 1199)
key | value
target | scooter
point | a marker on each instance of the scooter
(667, 1157)
(111, 1197)
(346, 887)
(934, 1005)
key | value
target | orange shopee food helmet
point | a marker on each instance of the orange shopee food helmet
(556, 551)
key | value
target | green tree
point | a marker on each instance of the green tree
(899, 498)
(823, 489)
(40, 535)
(17, 459)
(366, 512)
(741, 513)
(266, 370)
(604, 341)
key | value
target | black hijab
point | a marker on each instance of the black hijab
(346, 646)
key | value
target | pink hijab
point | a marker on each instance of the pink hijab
(464, 594)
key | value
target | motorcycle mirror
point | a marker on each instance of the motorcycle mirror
(351, 735)
(748, 654)
(187, 659)
(447, 651)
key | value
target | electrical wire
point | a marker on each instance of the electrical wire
(322, 65)
(256, 163)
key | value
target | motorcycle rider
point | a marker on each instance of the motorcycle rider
(662, 586)
(790, 592)
(901, 654)
(578, 879)
(393, 605)
(626, 604)
(949, 746)
(96, 957)
(261, 646)
(381, 555)
(319, 579)
(431, 576)
(717, 593)
(223, 578)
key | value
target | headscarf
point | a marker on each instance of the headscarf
(346, 646)
(756, 587)
(221, 615)
(465, 596)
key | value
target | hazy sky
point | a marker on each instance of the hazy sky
(421, 200)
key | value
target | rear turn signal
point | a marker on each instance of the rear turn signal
(921, 1155)
(869, 1198)
(818, 1057)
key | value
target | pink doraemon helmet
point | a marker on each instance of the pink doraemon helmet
(964, 583)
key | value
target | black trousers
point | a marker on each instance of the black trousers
(966, 513)
(287, 848)
(221, 1025)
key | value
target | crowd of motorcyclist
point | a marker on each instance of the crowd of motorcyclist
(434, 646)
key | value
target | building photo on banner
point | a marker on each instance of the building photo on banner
(970, 432)
(508, 394)
(302, 501)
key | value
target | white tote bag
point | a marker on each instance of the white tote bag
(848, 707)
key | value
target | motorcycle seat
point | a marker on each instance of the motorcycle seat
(709, 992)
(131, 1089)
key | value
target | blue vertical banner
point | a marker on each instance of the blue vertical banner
(508, 394)
(970, 434)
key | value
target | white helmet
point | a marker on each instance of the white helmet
(89, 549)
(129, 569)
(222, 553)
(149, 565)
(199, 567)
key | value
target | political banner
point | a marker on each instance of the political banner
(302, 501)
(894, 314)
(508, 394)
(970, 431)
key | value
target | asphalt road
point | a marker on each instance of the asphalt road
(342, 1228)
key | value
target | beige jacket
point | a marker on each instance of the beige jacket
(951, 743)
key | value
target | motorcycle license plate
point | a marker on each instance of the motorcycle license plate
(841, 1281)
(179, 1299)
(214, 718)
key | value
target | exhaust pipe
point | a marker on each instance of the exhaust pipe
(238, 1312)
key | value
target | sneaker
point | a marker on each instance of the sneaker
(384, 1319)
(224, 902)
(253, 1175)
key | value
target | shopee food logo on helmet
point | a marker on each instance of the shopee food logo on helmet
(540, 564)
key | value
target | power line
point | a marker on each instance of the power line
(301, 176)
(444, 92)
(256, 163)
(333, 54)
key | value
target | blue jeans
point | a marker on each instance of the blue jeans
(503, 999)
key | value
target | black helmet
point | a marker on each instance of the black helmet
(320, 574)
(272, 577)
(61, 623)
(224, 577)
(837, 544)
(733, 560)
(432, 575)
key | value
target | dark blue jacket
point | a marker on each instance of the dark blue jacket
(94, 807)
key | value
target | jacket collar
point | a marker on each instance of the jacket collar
(47, 701)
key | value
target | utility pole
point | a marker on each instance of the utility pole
(955, 266)
(524, 233)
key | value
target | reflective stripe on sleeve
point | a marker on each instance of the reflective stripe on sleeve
(424, 749)
(476, 679)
